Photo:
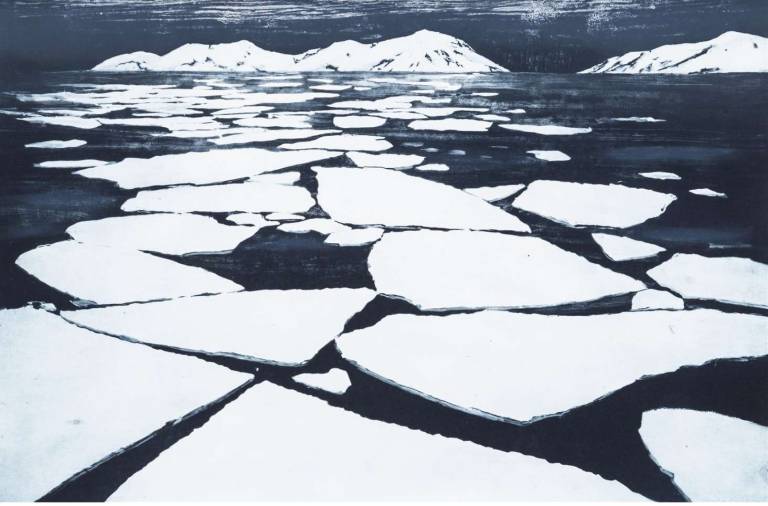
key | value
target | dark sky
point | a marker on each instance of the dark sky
(523, 35)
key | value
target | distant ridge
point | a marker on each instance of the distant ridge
(730, 52)
(423, 51)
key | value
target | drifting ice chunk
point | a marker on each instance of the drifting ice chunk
(494, 193)
(387, 197)
(172, 234)
(572, 360)
(550, 156)
(56, 144)
(706, 192)
(279, 121)
(661, 175)
(376, 460)
(268, 135)
(355, 237)
(656, 299)
(70, 121)
(106, 275)
(322, 226)
(492, 117)
(400, 115)
(434, 167)
(335, 381)
(726, 279)
(279, 326)
(711, 457)
(547, 129)
(202, 167)
(284, 217)
(450, 125)
(71, 164)
(484, 94)
(619, 248)
(582, 204)
(386, 161)
(345, 142)
(331, 87)
(223, 198)
(640, 119)
(515, 111)
(358, 121)
(171, 123)
(250, 219)
(71, 397)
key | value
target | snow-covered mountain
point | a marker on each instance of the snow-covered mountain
(423, 51)
(730, 52)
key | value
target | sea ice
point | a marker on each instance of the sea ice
(550, 156)
(71, 164)
(619, 248)
(331, 87)
(254, 220)
(450, 125)
(640, 119)
(284, 217)
(726, 279)
(571, 360)
(706, 192)
(278, 326)
(297, 121)
(434, 167)
(492, 117)
(279, 178)
(494, 193)
(322, 226)
(335, 381)
(385, 161)
(355, 236)
(70, 121)
(645, 300)
(269, 135)
(583, 204)
(358, 121)
(387, 197)
(57, 144)
(344, 142)
(661, 175)
(547, 129)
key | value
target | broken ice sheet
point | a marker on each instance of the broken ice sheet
(645, 300)
(71, 398)
(494, 193)
(461, 269)
(450, 125)
(376, 196)
(105, 275)
(358, 121)
(711, 457)
(322, 226)
(253, 197)
(172, 234)
(620, 249)
(268, 135)
(376, 459)
(255, 220)
(345, 142)
(335, 381)
(522, 366)
(286, 327)
(584, 204)
(355, 236)
(726, 279)
(385, 161)
(203, 167)
(71, 164)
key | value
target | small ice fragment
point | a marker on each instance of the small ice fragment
(252, 220)
(494, 193)
(56, 144)
(71, 164)
(358, 121)
(640, 119)
(335, 381)
(550, 156)
(620, 249)
(547, 129)
(451, 125)
(492, 117)
(706, 192)
(661, 175)
(435, 167)
(386, 161)
(355, 236)
(322, 226)
(651, 300)
(284, 217)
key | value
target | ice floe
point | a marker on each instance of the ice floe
(297, 121)
(202, 167)
(584, 204)
(492, 117)
(386, 197)
(382, 460)
(355, 236)
(515, 111)
(400, 115)
(619, 248)
(345, 142)
(711, 457)
(434, 167)
(279, 178)
(254, 220)
(726, 279)
(571, 360)
(278, 326)
(71, 164)
(550, 156)
(331, 87)
(494, 193)
(706, 192)
(661, 175)
(485, 94)
(385, 161)
(251, 197)
(57, 144)
(656, 299)
(461, 269)
(335, 381)
(640, 119)
(268, 135)
(170, 123)
(322, 226)
(450, 125)
(547, 129)
(70, 121)
(284, 217)
(172, 234)
(358, 121)
(71, 398)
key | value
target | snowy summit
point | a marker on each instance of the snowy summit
(730, 52)
(423, 51)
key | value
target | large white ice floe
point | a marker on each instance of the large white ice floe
(461, 269)
(451, 125)
(494, 193)
(549, 156)
(279, 326)
(671, 176)
(345, 142)
(298, 121)
(202, 167)
(71, 398)
(385, 161)
(322, 226)
(251, 197)
(358, 121)
(335, 381)
(375, 196)
(355, 236)
(711, 457)
(71, 164)
(584, 204)
(656, 299)
(726, 279)
(422, 51)
(523, 366)
(172, 234)
(729, 52)
(57, 144)
(105, 275)
(619, 248)
(546, 129)
(376, 460)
